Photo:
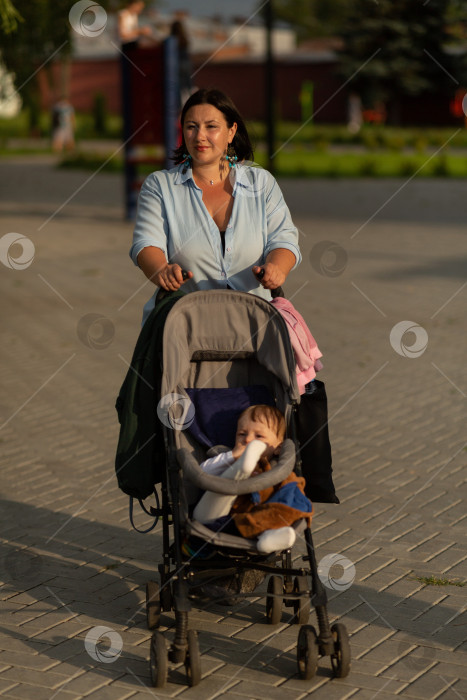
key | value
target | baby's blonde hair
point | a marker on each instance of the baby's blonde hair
(266, 414)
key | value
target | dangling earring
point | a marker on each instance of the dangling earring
(231, 157)
(187, 161)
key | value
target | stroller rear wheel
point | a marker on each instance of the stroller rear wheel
(301, 606)
(274, 601)
(153, 605)
(192, 659)
(158, 660)
(307, 652)
(340, 660)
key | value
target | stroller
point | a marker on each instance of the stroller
(223, 350)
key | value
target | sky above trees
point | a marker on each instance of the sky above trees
(225, 8)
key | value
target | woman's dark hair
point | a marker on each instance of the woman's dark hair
(241, 141)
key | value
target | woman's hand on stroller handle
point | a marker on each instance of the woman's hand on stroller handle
(269, 275)
(171, 277)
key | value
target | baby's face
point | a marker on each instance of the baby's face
(248, 430)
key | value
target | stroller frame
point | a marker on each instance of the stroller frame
(295, 586)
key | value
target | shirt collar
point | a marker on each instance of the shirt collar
(182, 177)
(242, 178)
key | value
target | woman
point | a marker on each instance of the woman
(213, 215)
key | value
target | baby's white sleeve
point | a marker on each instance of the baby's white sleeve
(218, 464)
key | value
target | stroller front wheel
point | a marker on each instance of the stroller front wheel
(307, 652)
(158, 660)
(340, 660)
(192, 659)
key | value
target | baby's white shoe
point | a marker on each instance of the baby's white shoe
(276, 540)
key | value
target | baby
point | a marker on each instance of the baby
(260, 433)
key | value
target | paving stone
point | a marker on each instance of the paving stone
(40, 662)
(6, 685)
(86, 683)
(30, 692)
(259, 690)
(450, 670)
(111, 693)
(364, 694)
(332, 691)
(429, 686)
(409, 668)
(371, 636)
(46, 679)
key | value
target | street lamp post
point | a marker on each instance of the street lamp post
(270, 86)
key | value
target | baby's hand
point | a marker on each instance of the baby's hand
(238, 450)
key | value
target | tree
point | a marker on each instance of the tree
(9, 17)
(44, 33)
(34, 33)
(395, 48)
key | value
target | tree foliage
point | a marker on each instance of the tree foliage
(9, 17)
(43, 33)
(35, 33)
(395, 48)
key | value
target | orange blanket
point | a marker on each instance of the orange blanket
(252, 519)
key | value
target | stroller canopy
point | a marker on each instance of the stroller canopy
(224, 326)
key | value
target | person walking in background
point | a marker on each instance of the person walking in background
(129, 31)
(63, 126)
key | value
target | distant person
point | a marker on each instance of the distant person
(63, 126)
(355, 116)
(129, 31)
(184, 63)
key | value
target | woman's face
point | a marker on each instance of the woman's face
(207, 134)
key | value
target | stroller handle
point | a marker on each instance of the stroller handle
(162, 293)
(193, 472)
(278, 292)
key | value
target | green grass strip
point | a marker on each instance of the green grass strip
(433, 581)
(315, 164)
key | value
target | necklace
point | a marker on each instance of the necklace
(211, 182)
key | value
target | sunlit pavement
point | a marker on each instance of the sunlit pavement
(382, 286)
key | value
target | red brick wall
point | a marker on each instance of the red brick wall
(244, 82)
(87, 79)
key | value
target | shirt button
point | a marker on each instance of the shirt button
(222, 274)
(229, 249)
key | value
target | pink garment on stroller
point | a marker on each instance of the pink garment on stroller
(305, 348)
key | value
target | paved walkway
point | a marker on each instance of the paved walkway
(375, 254)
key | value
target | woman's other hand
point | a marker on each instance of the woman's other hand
(278, 264)
(273, 276)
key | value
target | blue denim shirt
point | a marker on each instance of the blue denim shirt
(173, 217)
